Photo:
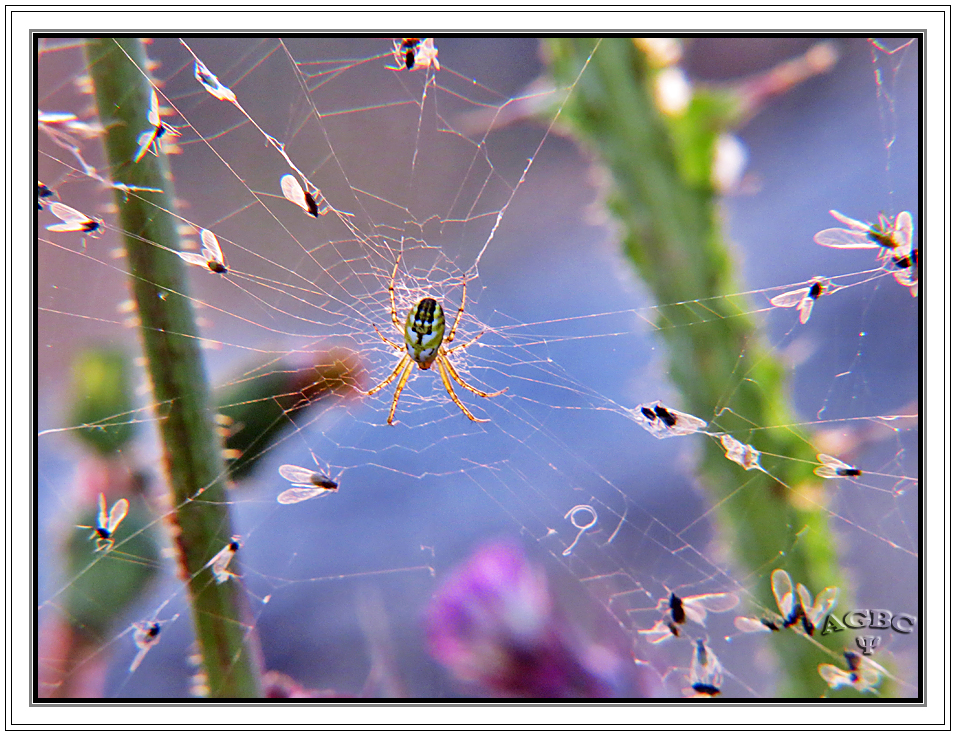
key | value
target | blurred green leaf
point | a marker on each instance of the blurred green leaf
(102, 401)
(263, 403)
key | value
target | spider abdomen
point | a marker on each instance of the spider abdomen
(424, 332)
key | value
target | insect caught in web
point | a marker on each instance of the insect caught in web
(293, 191)
(801, 607)
(73, 221)
(706, 672)
(832, 467)
(863, 674)
(678, 610)
(211, 257)
(663, 422)
(885, 233)
(148, 140)
(894, 236)
(146, 636)
(220, 562)
(106, 523)
(425, 343)
(744, 455)
(415, 53)
(306, 484)
(804, 299)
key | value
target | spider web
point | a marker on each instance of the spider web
(448, 169)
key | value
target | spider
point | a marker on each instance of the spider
(425, 344)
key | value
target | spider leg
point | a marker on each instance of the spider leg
(464, 345)
(454, 327)
(391, 376)
(391, 296)
(454, 374)
(451, 392)
(401, 384)
(385, 339)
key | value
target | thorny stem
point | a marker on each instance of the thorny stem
(193, 453)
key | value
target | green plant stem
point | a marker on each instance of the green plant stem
(718, 357)
(193, 454)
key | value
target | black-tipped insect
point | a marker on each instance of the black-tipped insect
(73, 221)
(211, 257)
(663, 422)
(831, 467)
(149, 139)
(306, 484)
(863, 674)
(106, 523)
(802, 607)
(221, 560)
(803, 299)
(415, 53)
(883, 234)
(145, 636)
(706, 672)
(678, 610)
(293, 191)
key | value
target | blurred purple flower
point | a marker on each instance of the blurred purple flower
(494, 622)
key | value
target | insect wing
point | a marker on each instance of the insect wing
(301, 493)
(806, 306)
(697, 606)
(195, 259)
(296, 474)
(153, 115)
(117, 514)
(211, 247)
(850, 222)
(868, 677)
(102, 518)
(658, 633)
(910, 281)
(782, 586)
(54, 118)
(292, 190)
(138, 658)
(837, 237)
(750, 625)
(903, 229)
(834, 676)
(686, 423)
(145, 140)
(830, 466)
(73, 220)
(790, 298)
(817, 610)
